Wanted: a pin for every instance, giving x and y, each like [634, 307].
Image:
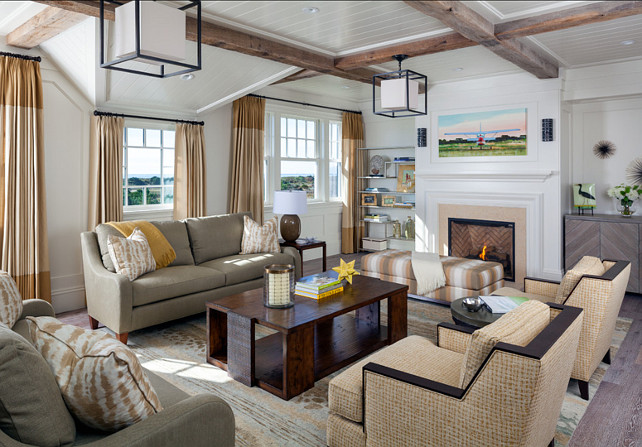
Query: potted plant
[625, 196]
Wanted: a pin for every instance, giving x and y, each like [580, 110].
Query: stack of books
[319, 286]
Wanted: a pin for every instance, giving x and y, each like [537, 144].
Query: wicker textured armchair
[414, 393]
[601, 298]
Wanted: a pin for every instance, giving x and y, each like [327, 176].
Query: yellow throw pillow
[101, 379]
[10, 300]
[260, 239]
[588, 265]
[131, 256]
[162, 250]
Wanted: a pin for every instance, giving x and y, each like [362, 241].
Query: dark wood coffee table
[464, 317]
[313, 339]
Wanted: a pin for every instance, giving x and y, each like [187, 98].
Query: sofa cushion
[215, 236]
[10, 300]
[171, 282]
[588, 265]
[132, 255]
[260, 238]
[31, 408]
[242, 268]
[101, 379]
[175, 231]
[414, 355]
[103, 231]
[517, 327]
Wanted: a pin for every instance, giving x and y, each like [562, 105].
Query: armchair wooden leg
[584, 389]
[93, 323]
[122, 337]
[607, 357]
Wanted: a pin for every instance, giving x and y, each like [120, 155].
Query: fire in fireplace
[488, 240]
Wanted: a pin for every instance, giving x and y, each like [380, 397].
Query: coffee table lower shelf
[338, 342]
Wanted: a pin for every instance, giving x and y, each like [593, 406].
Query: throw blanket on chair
[428, 271]
[163, 252]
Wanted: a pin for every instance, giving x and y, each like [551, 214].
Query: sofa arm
[453, 337]
[203, 420]
[543, 287]
[109, 295]
[36, 308]
[298, 267]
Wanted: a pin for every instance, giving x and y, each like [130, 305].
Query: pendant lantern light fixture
[150, 33]
[400, 92]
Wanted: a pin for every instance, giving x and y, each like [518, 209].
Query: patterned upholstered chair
[500, 385]
[601, 298]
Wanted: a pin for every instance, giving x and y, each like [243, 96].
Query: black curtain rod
[304, 103]
[21, 56]
[98, 113]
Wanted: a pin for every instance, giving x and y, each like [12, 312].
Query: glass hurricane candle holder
[278, 288]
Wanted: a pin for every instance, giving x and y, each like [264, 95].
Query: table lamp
[290, 204]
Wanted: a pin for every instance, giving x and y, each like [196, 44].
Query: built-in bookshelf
[379, 183]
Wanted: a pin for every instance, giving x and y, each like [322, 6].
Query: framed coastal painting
[500, 132]
[406, 178]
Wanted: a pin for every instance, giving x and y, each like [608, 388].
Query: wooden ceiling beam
[567, 18]
[473, 26]
[301, 74]
[447, 42]
[234, 40]
[43, 26]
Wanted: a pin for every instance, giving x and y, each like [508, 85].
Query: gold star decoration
[346, 270]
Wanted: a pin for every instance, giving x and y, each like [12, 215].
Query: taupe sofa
[207, 266]
[202, 420]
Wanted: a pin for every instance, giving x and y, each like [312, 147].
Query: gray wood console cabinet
[607, 236]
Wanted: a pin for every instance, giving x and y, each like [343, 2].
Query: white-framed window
[302, 152]
[148, 169]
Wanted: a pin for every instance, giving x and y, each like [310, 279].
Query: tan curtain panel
[189, 171]
[105, 170]
[246, 179]
[352, 138]
[23, 212]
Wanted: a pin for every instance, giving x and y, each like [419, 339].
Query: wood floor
[614, 416]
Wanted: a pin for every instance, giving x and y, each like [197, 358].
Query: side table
[464, 317]
[301, 245]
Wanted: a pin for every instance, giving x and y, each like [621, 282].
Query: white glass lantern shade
[161, 31]
[393, 94]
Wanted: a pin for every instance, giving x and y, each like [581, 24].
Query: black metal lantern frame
[408, 75]
[113, 65]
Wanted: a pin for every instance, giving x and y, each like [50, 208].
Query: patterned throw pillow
[131, 256]
[101, 379]
[588, 265]
[10, 300]
[260, 239]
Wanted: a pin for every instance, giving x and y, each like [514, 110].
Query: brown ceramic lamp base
[290, 227]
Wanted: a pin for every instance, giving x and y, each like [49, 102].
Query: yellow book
[319, 296]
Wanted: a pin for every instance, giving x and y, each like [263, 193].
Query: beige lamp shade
[290, 202]
[393, 94]
[162, 31]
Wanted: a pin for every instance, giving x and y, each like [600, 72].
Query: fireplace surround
[488, 240]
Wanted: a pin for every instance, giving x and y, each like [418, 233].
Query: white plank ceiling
[338, 28]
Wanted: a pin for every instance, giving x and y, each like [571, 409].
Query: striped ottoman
[464, 277]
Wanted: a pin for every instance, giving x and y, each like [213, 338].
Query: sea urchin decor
[604, 149]
[634, 172]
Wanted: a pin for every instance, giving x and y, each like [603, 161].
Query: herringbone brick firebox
[483, 239]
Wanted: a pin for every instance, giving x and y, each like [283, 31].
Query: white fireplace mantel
[540, 175]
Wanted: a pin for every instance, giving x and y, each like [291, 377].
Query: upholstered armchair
[201, 420]
[500, 385]
[600, 297]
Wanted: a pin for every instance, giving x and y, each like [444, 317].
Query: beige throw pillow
[10, 300]
[588, 265]
[260, 239]
[131, 256]
[101, 379]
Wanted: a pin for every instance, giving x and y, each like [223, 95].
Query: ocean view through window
[148, 168]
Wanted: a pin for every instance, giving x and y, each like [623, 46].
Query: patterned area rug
[177, 352]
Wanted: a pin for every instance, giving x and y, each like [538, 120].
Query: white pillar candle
[279, 289]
